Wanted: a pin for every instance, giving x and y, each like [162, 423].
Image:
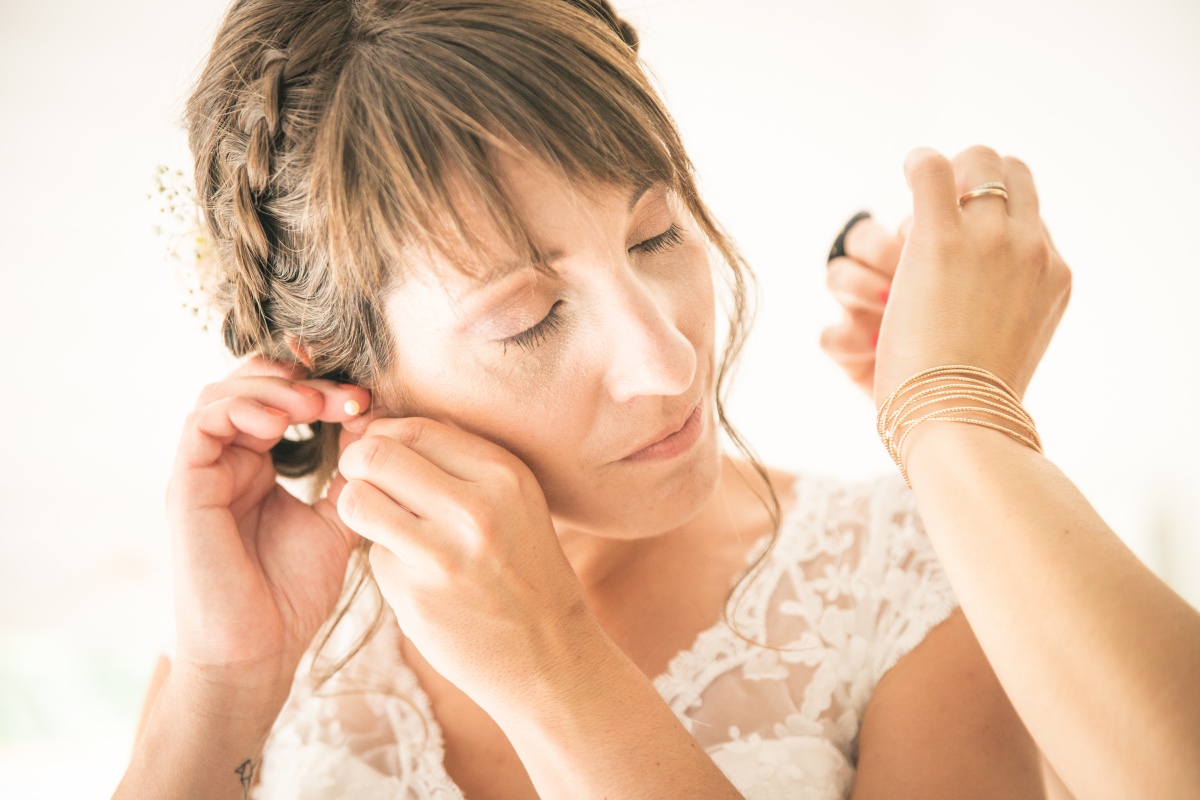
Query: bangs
[425, 102]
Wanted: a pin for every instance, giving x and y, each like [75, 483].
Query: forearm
[599, 729]
[1100, 658]
[199, 742]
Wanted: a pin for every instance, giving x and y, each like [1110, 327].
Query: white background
[797, 114]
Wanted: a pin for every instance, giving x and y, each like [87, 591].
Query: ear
[300, 351]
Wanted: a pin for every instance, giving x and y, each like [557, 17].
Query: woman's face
[574, 374]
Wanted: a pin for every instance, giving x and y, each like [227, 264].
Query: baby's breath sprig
[185, 245]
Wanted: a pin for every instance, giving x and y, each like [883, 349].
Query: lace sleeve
[914, 591]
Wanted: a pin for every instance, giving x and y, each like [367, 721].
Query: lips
[667, 430]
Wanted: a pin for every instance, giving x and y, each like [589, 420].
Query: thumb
[930, 177]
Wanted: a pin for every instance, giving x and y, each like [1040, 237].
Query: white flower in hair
[186, 245]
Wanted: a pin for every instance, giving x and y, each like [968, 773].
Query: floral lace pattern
[851, 585]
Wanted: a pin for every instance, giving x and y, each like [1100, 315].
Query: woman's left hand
[466, 554]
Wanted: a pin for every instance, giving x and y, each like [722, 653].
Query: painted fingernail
[352, 408]
[884, 295]
[307, 390]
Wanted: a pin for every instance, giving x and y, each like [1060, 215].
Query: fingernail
[884, 295]
[307, 390]
[276, 412]
[352, 408]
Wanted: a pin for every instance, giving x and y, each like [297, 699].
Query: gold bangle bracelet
[966, 389]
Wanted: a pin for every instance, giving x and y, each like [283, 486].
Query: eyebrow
[640, 188]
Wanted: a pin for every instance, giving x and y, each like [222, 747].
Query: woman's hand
[257, 571]
[861, 280]
[466, 555]
[982, 285]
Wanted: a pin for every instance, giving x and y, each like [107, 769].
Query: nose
[647, 353]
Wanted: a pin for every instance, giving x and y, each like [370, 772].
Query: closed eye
[669, 238]
[532, 337]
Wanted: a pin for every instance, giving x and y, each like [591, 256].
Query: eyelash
[532, 337]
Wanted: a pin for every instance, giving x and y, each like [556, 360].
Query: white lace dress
[851, 586]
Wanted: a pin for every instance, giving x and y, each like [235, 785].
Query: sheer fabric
[851, 585]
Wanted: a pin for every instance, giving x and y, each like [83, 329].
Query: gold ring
[992, 187]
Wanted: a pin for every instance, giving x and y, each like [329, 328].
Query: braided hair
[264, 145]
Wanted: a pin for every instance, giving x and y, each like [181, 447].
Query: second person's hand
[981, 284]
[859, 276]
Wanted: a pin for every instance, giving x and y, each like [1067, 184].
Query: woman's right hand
[256, 570]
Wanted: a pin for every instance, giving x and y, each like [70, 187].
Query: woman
[480, 213]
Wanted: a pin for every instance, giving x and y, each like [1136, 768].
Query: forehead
[553, 209]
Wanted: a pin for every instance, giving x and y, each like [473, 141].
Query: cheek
[532, 408]
[695, 300]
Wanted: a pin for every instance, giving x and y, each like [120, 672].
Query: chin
[642, 500]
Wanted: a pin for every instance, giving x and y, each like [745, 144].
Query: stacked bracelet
[951, 389]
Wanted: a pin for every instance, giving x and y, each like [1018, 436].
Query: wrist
[203, 739]
[561, 679]
[594, 726]
[932, 449]
[232, 688]
[956, 393]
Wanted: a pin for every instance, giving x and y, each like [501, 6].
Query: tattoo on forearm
[246, 776]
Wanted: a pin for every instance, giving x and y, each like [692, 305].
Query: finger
[406, 476]
[359, 423]
[875, 246]
[973, 167]
[852, 340]
[459, 453]
[306, 401]
[336, 484]
[370, 513]
[838, 249]
[348, 436]
[211, 429]
[905, 227]
[856, 286]
[245, 441]
[930, 177]
[254, 478]
[327, 508]
[842, 346]
[344, 402]
[1022, 194]
[860, 372]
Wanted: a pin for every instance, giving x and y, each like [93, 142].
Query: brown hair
[326, 135]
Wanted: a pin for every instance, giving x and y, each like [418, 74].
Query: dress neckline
[716, 637]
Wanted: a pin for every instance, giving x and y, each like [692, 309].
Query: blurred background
[797, 114]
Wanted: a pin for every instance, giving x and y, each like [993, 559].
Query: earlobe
[299, 351]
